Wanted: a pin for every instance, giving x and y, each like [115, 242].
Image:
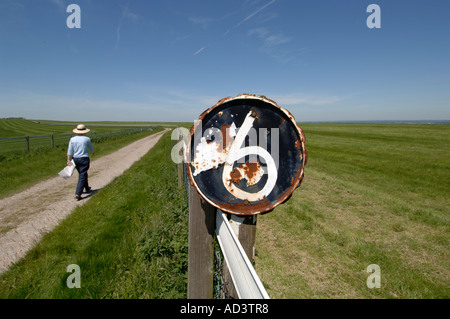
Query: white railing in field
[245, 280]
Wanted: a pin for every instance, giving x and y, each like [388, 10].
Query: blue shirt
[79, 145]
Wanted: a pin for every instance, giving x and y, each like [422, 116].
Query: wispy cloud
[307, 99]
[200, 50]
[132, 16]
[270, 40]
[250, 16]
[181, 38]
[202, 21]
[59, 3]
[126, 14]
[274, 44]
[173, 100]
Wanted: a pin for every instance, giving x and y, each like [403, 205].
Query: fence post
[52, 141]
[28, 143]
[180, 165]
[201, 247]
[245, 229]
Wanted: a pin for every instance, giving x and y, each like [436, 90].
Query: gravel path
[26, 216]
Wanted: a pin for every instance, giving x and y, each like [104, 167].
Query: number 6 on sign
[252, 169]
[236, 152]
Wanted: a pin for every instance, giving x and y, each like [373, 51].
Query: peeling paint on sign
[246, 155]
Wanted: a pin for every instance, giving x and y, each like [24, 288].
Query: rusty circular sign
[246, 155]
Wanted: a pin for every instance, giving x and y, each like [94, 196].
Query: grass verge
[372, 194]
[129, 240]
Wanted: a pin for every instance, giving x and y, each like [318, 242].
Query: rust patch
[252, 172]
[227, 139]
[236, 175]
[250, 169]
[249, 208]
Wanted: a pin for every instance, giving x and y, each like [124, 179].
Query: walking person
[79, 147]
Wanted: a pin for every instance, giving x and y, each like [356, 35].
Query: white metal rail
[246, 281]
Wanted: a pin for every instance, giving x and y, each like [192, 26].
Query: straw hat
[81, 129]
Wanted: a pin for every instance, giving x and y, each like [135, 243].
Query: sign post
[201, 247]
[245, 156]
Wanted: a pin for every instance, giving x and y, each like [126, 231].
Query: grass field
[372, 194]
[23, 127]
[18, 135]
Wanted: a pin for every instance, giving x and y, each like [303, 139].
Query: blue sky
[169, 60]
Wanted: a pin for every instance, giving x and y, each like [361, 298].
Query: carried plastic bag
[68, 170]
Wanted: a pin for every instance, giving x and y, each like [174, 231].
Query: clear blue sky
[168, 60]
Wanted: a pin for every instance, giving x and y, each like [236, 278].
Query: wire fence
[26, 144]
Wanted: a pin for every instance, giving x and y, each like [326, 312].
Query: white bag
[68, 170]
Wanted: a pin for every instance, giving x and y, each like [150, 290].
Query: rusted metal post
[245, 229]
[201, 247]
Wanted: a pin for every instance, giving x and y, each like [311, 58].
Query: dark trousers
[82, 166]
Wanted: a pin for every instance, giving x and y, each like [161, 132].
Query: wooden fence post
[52, 141]
[201, 247]
[245, 229]
[28, 143]
[180, 165]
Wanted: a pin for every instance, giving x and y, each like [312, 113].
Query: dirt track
[28, 215]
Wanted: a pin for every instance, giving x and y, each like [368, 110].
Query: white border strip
[246, 281]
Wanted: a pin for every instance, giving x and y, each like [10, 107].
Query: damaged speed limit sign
[246, 155]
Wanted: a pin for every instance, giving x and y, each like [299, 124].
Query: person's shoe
[88, 190]
[78, 197]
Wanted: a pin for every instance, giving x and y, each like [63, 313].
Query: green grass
[45, 134]
[372, 194]
[130, 240]
[20, 171]
[22, 127]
